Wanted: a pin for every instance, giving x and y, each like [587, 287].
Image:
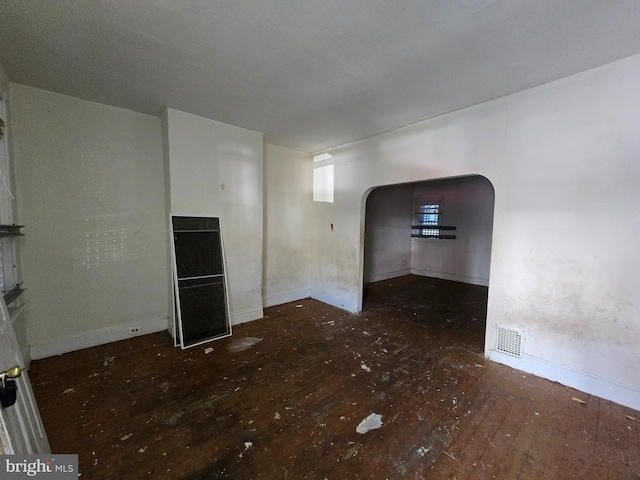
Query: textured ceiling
[309, 74]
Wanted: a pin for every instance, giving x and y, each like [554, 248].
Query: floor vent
[510, 341]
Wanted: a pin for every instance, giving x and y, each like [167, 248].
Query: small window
[323, 178]
[428, 216]
[323, 184]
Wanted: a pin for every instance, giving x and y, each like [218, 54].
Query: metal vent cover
[510, 340]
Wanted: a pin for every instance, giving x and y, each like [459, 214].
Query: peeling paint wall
[287, 238]
[563, 159]
[90, 194]
[216, 170]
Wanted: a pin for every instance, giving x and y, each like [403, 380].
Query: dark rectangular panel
[198, 254]
[195, 223]
[202, 309]
[199, 279]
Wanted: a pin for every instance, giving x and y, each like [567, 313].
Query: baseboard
[271, 300]
[484, 282]
[585, 382]
[244, 317]
[333, 301]
[379, 277]
[94, 338]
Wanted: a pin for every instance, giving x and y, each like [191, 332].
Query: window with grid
[427, 219]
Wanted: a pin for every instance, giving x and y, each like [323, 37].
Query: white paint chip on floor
[372, 422]
[247, 446]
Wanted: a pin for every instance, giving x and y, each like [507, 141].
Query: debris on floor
[247, 446]
[243, 343]
[372, 422]
[352, 452]
[422, 451]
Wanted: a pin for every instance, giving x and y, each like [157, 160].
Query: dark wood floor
[287, 407]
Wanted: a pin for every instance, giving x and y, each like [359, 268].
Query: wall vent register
[510, 341]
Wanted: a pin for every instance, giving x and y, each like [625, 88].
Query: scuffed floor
[283, 398]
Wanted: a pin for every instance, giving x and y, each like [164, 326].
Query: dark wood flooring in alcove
[282, 398]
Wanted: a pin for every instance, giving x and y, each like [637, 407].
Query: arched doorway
[427, 255]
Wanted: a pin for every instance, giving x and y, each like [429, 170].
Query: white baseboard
[244, 317]
[379, 277]
[95, 338]
[333, 301]
[585, 382]
[279, 299]
[451, 276]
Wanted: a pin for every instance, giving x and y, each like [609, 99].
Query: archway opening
[427, 255]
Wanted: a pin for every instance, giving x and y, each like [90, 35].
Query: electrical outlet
[134, 330]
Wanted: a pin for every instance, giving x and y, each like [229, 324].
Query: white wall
[387, 247]
[287, 201]
[563, 159]
[467, 204]
[216, 170]
[91, 189]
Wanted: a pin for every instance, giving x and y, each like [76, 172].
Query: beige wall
[91, 188]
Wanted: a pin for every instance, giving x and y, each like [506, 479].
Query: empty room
[321, 239]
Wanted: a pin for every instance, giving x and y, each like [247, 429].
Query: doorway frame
[363, 217]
